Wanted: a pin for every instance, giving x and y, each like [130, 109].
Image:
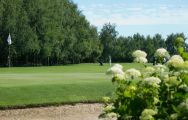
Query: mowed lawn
[32, 86]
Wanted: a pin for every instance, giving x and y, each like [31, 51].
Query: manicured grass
[27, 86]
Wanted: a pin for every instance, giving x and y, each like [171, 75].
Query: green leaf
[127, 94]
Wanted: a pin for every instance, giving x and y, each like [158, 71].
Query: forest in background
[46, 32]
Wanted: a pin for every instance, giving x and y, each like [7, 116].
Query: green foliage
[179, 42]
[45, 31]
[160, 92]
[121, 48]
[180, 47]
[185, 55]
[180, 50]
[172, 42]
[108, 36]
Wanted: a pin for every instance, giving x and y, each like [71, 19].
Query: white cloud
[123, 14]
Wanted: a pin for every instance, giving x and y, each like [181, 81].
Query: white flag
[9, 40]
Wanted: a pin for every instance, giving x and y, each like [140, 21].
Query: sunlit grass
[22, 86]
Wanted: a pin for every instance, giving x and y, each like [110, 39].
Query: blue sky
[143, 16]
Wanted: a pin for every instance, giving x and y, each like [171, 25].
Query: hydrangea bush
[154, 92]
[140, 56]
[161, 54]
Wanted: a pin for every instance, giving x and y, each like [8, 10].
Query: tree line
[120, 48]
[46, 32]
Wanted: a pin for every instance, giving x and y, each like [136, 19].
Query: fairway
[32, 86]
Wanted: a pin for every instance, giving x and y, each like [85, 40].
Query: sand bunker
[65, 112]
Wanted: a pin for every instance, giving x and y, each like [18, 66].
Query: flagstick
[9, 45]
[9, 56]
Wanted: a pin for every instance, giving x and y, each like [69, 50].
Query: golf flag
[9, 40]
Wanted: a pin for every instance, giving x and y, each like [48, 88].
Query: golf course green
[35, 86]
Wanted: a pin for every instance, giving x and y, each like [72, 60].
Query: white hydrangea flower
[111, 115]
[149, 69]
[183, 86]
[140, 60]
[184, 71]
[120, 76]
[164, 76]
[161, 52]
[115, 70]
[175, 61]
[152, 80]
[172, 81]
[146, 117]
[147, 114]
[118, 66]
[156, 100]
[160, 68]
[139, 53]
[106, 99]
[174, 116]
[132, 73]
[176, 73]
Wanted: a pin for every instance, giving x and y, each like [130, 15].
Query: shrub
[158, 92]
[161, 54]
[140, 56]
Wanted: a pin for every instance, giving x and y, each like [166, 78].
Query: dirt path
[66, 112]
